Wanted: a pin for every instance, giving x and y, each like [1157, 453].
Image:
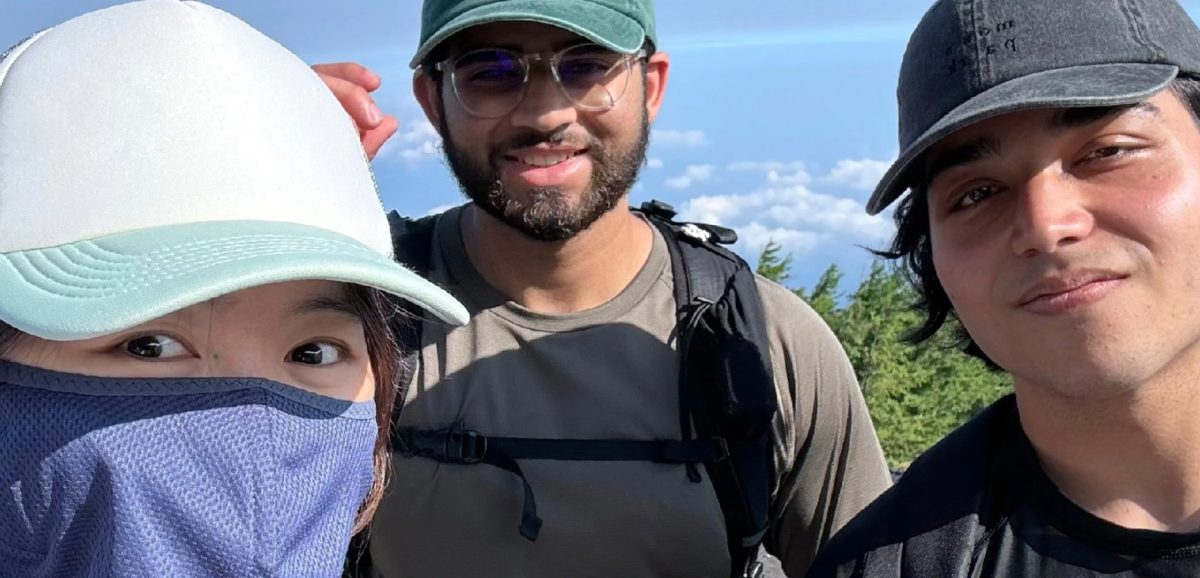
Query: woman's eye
[155, 347]
[316, 353]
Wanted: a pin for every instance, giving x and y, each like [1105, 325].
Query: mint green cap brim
[602, 25]
[100, 286]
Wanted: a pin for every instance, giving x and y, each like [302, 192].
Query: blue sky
[779, 114]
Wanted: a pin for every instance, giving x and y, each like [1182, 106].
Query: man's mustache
[527, 139]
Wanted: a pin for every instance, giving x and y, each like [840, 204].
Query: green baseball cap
[621, 25]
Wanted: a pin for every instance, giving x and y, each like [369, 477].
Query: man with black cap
[512, 457]
[1051, 154]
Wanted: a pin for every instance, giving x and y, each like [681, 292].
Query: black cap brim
[1091, 85]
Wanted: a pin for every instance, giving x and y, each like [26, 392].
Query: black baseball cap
[969, 60]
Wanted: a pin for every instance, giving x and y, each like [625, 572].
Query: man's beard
[548, 215]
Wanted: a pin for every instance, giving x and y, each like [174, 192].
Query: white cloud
[786, 210]
[691, 175]
[765, 166]
[861, 174]
[414, 142]
[777, 173]
[799, 177]
[441, 209]
[755, 236]
[420, 152]
[654, 163]
[678, 138]
[714, 209]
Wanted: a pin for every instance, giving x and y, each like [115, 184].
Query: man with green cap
[544, 108]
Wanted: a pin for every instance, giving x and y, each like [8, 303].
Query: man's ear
[657, 66]
[425, 90]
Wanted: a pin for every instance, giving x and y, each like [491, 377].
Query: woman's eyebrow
[326, 303]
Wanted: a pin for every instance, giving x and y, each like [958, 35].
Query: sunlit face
[302, 333]
[1068, 242]
[548, 168]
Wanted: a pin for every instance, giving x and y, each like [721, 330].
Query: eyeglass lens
[491, 82]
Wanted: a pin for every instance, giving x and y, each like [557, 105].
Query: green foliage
[916, 393]
[771, 265]
[824, 297]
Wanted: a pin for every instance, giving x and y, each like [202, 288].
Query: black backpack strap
[458, 445]
[412, 245]
[726, 387]
[412, 241]
[700, 278]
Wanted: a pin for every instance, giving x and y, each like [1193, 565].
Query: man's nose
[1051, 212]
[545, 108]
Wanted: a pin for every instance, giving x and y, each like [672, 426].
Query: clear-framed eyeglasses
[492, 82]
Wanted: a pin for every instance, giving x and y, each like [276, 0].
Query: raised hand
[353, 84]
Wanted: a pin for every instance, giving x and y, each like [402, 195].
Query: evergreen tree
[771, 265]
[916, 393]
[825, 296]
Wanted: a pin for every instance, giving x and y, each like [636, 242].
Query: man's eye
[494, 75]
[155, 347]
[316, 353]
[975, 195]
[584, 71]
[1105, 152]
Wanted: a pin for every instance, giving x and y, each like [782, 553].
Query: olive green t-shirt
[610, 372]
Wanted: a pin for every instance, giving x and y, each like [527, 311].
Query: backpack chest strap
[462, 446]
[457, 445]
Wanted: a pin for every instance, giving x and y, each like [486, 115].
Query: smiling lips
[543, 157]
[545, 166]
[1054, 295]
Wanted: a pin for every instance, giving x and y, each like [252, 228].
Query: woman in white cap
[195, 363]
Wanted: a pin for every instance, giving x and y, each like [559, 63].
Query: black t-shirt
[978, 505]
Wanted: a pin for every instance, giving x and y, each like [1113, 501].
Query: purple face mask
[176, 477]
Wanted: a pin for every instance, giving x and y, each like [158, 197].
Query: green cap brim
[601, 25]
[92, 288]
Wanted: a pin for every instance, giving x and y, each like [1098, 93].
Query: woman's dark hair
[377, 312]
[8, 338]
[911, 246]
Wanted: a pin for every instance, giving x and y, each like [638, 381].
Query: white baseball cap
[161, 153]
